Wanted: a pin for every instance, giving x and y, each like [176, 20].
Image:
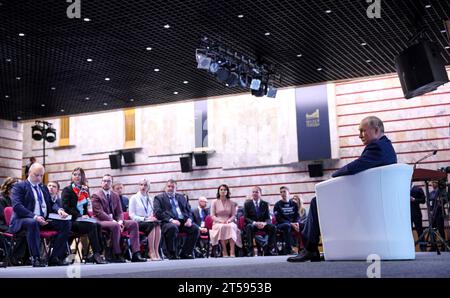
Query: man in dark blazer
[175, 214]
[257, 218]
[108, 211]
[417, 197]
[378, 152]
[31, 206]
[201, 212]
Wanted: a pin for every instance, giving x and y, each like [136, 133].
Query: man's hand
[412, 199]
[151, 218]
[41, 220]
[296, 226]
[120, 222]
[188, 223]
[62, 213]
[203, 230]
[176, 222]
[260, 225]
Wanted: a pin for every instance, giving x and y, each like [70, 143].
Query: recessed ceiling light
[18, 117]
[6, 96]
[167, 26]
[89, 60]
[428, 6]
[369, 61]
[8, 60]
[364, 44]
[62, 110]
[240, 16]
[107, 79]
[21, 34]
[227, 85]
[105, 103]
[328, 11]
[175, 92]
[299, 55]
[53, 88]
[447, 47]
[319, 69]
[148, 48]
[87, 19]
[185, 82]
[444, 31]
[18, 78]
[43, 105]
[131, 99]
[267, 33]
[156, 69]
[87, 98]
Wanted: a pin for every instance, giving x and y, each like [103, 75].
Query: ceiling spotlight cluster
[234, 69]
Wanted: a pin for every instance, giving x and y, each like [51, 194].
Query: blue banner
[313, 128]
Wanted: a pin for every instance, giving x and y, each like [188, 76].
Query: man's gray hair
[374, 122]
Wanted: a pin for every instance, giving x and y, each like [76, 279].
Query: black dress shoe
[305, 256]
[118, 259]
[271, 252]
[187, 256]
[172, 257]
[98, 259]
[138, 258]
[57, 262]
[37, 262]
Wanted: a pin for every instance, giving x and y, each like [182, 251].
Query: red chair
[7, 239]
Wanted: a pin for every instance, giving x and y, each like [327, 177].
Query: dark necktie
[39, 195]
[109, 202]
[257, 209]
[203, 214]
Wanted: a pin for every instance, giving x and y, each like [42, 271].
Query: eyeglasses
[107, 181]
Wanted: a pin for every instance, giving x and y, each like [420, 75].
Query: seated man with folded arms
[378, 152]
[287, 218]
[175, 214]
[31, 207]
[108, 211]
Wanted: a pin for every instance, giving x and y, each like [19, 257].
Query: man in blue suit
[31, 206]
[378, 152]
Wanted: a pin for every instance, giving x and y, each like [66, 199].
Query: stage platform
[426, 264]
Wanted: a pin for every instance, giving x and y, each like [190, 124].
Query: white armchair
[367, 213]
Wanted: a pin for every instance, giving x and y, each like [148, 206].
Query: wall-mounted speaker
[186, 163]
[421, 69]
[128, 156]
[201, 159]
[315, 170]
[115, 161]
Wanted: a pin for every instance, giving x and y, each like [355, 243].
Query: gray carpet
[427, 265]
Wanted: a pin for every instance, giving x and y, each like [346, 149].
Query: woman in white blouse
[141, 210]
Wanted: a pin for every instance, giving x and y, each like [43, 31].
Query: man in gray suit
[175, 214]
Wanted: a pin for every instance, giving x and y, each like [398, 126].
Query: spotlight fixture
[235, 69]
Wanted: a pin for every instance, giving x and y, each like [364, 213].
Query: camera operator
[438, 198]
[417, 197]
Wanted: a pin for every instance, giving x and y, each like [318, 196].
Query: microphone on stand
[425, 157]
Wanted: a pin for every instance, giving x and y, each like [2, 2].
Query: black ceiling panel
[46, 71]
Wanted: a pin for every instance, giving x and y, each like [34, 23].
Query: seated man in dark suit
[378, 152]
[257, 218]
[174, 212]
[31, 205]
[200, 213]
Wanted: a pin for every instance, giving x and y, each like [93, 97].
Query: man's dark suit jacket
[197, 218]
[376, 154]
[163, 208]
[23, 203]
[250, 212]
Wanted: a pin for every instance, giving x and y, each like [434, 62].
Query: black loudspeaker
[315, 170]
[421, 69]
[186, 163]
[201, 159]
[116, 161]
[128, 156]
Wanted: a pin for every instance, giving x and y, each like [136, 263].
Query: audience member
[124, 201]
[53, 189]
[417, 197]
[287, 218]
[224, 229]
[31, 161]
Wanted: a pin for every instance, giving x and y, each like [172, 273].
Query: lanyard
[145, 205]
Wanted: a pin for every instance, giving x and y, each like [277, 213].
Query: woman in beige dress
[224, 229]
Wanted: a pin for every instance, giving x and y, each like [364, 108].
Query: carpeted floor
[426, 265]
